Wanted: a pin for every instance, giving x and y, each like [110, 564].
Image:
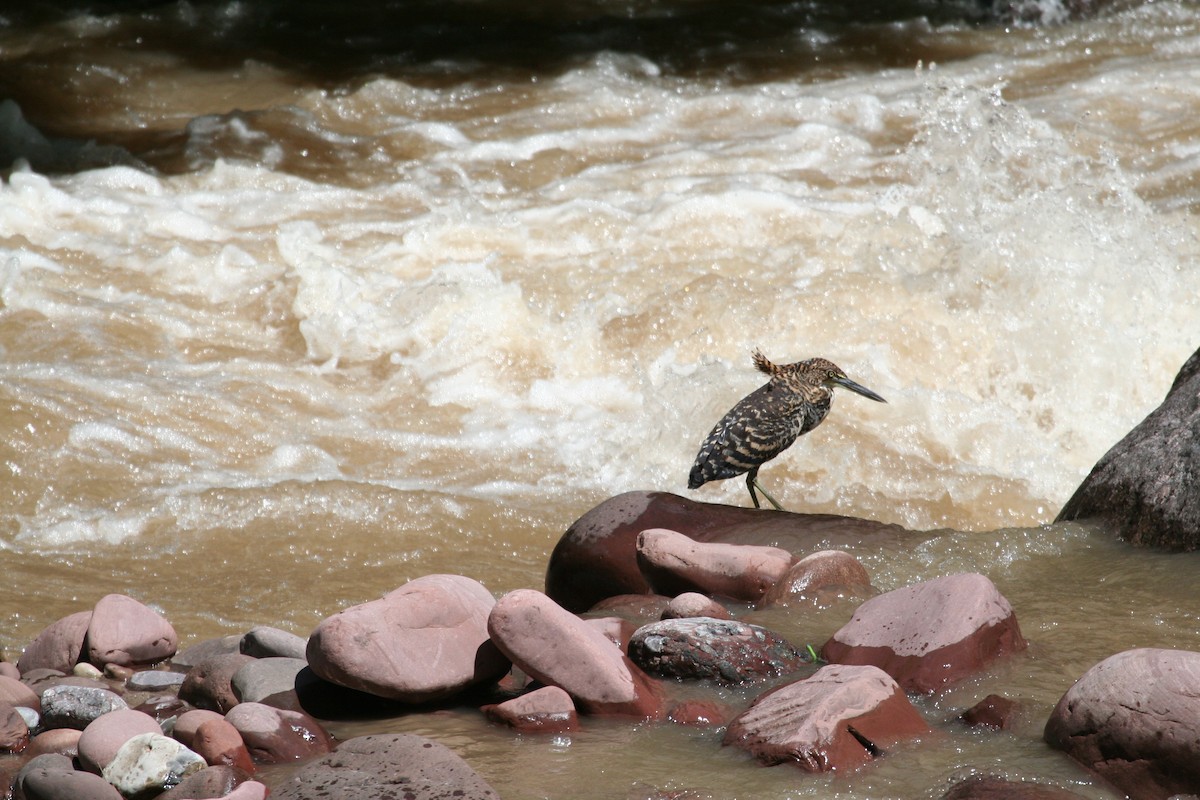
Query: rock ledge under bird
[767, 421]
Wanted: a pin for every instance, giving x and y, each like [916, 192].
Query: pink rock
[218, 742]
[15, 693]
[425, 641]
[250, 790]
[638, 608]
[674, 563]
[1134, 719]
[818, 575]
[47, 777]
[838, 719]
[558, 648]
[105, 735]
[694, 604]
[58, 646]
[61, 741]
[9, 670]
[128, 633]
[14, 733]
[930, 634]
[616, 630]
[190, 721]
[274, 735]
[546, 710]
[209, 684]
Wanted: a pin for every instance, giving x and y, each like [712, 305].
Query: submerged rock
[545, 710]
[930, 634]
[992, 711]
[817, 576]
[1134, 719]
[673, 563]
[987, 787]
[1147, 487]
[724, 650]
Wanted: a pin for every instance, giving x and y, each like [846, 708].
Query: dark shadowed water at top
[300, 301]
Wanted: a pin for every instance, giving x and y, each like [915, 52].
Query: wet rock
[987, 787]
[219, 743]
[673, 563]
[694, 604]
[209, 782]
[70, 706]
[102, 739]
[264, 678]
[202, 651]
[558, 648]
[209, 684]
[930, 634]
[818, 576]
[154, 680]
[372, 767]
[1134, 719]
[616, 630]
[724, 650]
[276, 735]
[59, 645]
[992, 711]
[699, 714]
[545, 710]
[150, 763]
[51, 777]
[250, 790]
[61, 741]
[839, 719]
[597, 556]
[424, 641]
[267, 642]
[637, 608]
[15, 693]
[189, 722]
[162, 707]
[14, 731]
[126, 632]
[1146, 486]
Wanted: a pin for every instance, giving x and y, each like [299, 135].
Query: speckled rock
[558, 648]
[372, 767]
[1134, 719]
[150, 763]
[818, 578]
[51, 777]
[266, 642]
[58, 646]
[701, 647]
[104, 737]
[545, 710]
[129, 633]
[276, 735]
[70, 706]
[694, 604]
[930, 634]
[839, 719]
[209, 684]
[673, 563]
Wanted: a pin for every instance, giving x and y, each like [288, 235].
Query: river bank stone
[52, 777]
[694, 604]
[723, 650]
[1134, 719]
[149, 764]
[597, 556]
[545, 710]
[15, 693]
[276, 735]
[1147, 487]
[220, 744]
[14, 730]
[209, 684]
[930, 634]
[59, 646]
[818, 577]
[263, 641]
[128, 633]
[102, 739]
[839, 719]
[673, 564]
[70, 706]
[270, 680]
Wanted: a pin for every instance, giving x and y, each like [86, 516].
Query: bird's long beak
[857, 388]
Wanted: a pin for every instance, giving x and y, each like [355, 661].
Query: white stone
[150, 763]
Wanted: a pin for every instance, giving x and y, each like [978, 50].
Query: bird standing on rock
[765, 422]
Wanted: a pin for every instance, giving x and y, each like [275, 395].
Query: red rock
[616, 630]
[14, 732]
[190, 721]
[1134, 719]
[699, 714]
[61, 741]
[128, 633]
[425, 641]
[817, 576]
[839, 719]
[694, 604]
[209, 684]
[51, 777]
[207, 783]
[557, 648]
[105, 735]
[219, 743]
[930, 634]
[673, 563]
[637, 608]
[724, 650]
[274, 735]
[987, 787]
[59, 646]
[15, 693]
[597, 556]
[992, 711]
[545, 710]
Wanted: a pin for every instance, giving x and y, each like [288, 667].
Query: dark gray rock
[1147, 487]
[704, 647]
[264, 678]
[51, 777]
[202, 651]
[68, 706]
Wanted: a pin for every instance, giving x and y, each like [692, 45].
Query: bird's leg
[752, 483]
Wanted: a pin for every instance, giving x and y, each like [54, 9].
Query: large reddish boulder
[424, 641]
[558, 648]
[673, 564]
[128, 633]
[839, 719]
[930, 634]
[597, 556]
[1134, 719]
[59, 645]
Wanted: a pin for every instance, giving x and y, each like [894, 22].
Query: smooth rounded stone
[51, 777]
[112, 671]
[209, 684]
[264, 678]
[615, 629]
[988, 787]
[694, 604]
[930, 634]
[15, 693]
[9, 670]
[59, 646]
[276, 735]
[264, 641]
[721, 649]
[674, 563]
[154, 680]
[14, 731]
[425, 641]
[1145, 487]
[202, 651]
[218, 742]
[1134, 719]
[379, 767]
[558, 648]
[545, 710]
[190, 721]
[106, 735]
[62, 741]
[88, 671]
[699, 714]
[250, 790]
[597, 556]
[126, 632]
[149, 764]
[992, 711]
[817, 576]
[839, 719]
[70, 706]
[637, 608]
[209, 782]
[33, 719]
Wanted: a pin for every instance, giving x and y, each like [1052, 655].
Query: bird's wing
[752, 433]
